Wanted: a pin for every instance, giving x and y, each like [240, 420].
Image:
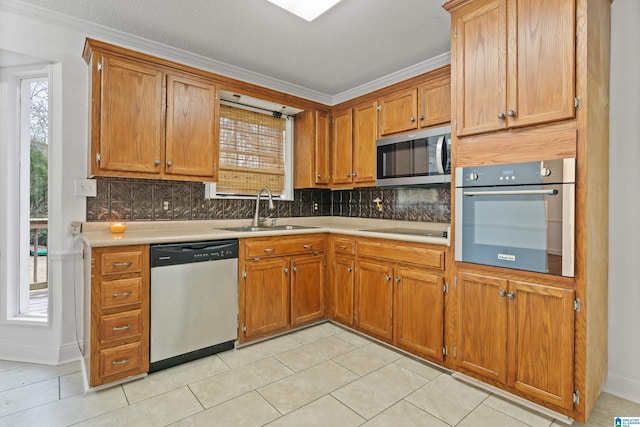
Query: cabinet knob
[286, 270]
[502, 116]
[319, 175]
[355, 174]
[169, 163]
[511, 113]
[421, 117]
[295, 269]
[157, 162]
[387, 278]
[413, 119]
[511, 295]
[348, 175]
[502, 293]
[349, 269]
[398, 280]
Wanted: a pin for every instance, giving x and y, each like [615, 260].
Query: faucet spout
[256, 215]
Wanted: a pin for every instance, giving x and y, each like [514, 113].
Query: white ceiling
[354, 43]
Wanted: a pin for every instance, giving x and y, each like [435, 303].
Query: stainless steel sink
[269, 228]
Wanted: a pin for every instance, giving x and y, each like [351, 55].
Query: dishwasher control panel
[182, 253]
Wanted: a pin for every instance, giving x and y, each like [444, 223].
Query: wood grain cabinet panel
[312, 149]
[434, 102]
[364, 143]
[307, 289]
[342, 147]
[398, 112]
[374, 300]
[343, 289]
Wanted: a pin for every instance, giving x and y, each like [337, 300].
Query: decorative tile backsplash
[156, 200]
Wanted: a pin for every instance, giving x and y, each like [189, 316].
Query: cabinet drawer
[121, 262]
[122, 359]
[401, 252]
[264, 248]
[343, 246]
[118, 326]
[121, 292]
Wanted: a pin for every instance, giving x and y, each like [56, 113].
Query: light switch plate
[86, 187]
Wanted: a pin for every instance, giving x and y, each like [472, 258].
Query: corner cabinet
[518, 333]
[149, 120]
[282, 284]
[117, 314]
[513, 63]
[311, 150]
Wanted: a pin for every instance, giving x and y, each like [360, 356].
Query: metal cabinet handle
[342, 246]
[502, 293]
[355, 174]
[348, 175]
[349, 269]
[398, 280]
[511, 295]
[387, 278]
[511, 113]
[121, 294]
[269, 250]
[319, 175]
[286, 270]
[421, 117]
[121, 362]
[309, 246]
[157, 162]
[122, 328]
[413, 119]
[169, 163]
[295, 269]
[122, 264]
[502, 116]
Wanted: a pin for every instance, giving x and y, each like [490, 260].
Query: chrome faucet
[256, 216]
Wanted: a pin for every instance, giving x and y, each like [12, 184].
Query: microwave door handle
[511, 193]
[439, 159]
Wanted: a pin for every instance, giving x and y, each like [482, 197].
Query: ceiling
[354, 43]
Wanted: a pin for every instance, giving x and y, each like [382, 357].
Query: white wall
[624, 203]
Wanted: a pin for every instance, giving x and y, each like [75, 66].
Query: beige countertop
[97, 234]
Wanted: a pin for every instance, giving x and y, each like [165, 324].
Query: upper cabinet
[149, 121]
[434, 101]
[514, 63]
[312, 166]
[399, 112]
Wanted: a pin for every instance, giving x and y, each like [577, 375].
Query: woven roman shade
[251, 151]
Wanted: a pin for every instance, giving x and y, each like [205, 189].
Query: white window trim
[10, 261]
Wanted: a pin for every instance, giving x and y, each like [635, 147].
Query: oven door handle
[511, 193]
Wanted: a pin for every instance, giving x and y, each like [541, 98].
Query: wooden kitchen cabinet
[343, 279]
[434, 101]
[374, 301]
[312, 161]
[398, 112]
[518, 333]
[354, 146]
[148, 120]
[513, 63]
[118, 314]
[282, 284]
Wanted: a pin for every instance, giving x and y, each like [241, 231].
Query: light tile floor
[320, 376]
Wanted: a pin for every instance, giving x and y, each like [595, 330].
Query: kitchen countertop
[97, 234]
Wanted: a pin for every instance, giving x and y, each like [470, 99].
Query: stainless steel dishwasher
[194, 301]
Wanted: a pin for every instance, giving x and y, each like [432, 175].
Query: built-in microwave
[414, 159]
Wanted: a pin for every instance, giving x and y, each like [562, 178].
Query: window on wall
[256, 149]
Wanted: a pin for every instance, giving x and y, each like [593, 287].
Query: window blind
[252, 147]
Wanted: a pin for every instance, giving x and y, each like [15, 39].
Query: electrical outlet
[86, 187]
[315, 206]
[165, 204]
[75, 227]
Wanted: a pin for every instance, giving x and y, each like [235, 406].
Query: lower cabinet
[282, 284]
[374, 301]
[118, 345]
[519, 334]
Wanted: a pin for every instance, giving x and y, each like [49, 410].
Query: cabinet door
[374, 299]
[399, 112]
[479, 66]
[482, 327]
[541, 60]
[266, 297]
[343, 282]
[131, 117]
[322, 149]
[419, 312]
[434, 102]
[364, 143]
[191, 128]
[541, 342]
[307, 289]
[342, 147]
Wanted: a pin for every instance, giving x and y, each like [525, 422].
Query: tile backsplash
[156, 200]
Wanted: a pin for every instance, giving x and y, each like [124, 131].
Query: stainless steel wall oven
[519, 216]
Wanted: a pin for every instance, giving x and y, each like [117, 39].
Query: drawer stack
[119, 313]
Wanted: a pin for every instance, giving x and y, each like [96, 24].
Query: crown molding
[110, 35]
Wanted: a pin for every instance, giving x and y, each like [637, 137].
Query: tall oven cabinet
[530, 82]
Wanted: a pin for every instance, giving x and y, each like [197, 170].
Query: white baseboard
[623, 386]
[42, 354]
